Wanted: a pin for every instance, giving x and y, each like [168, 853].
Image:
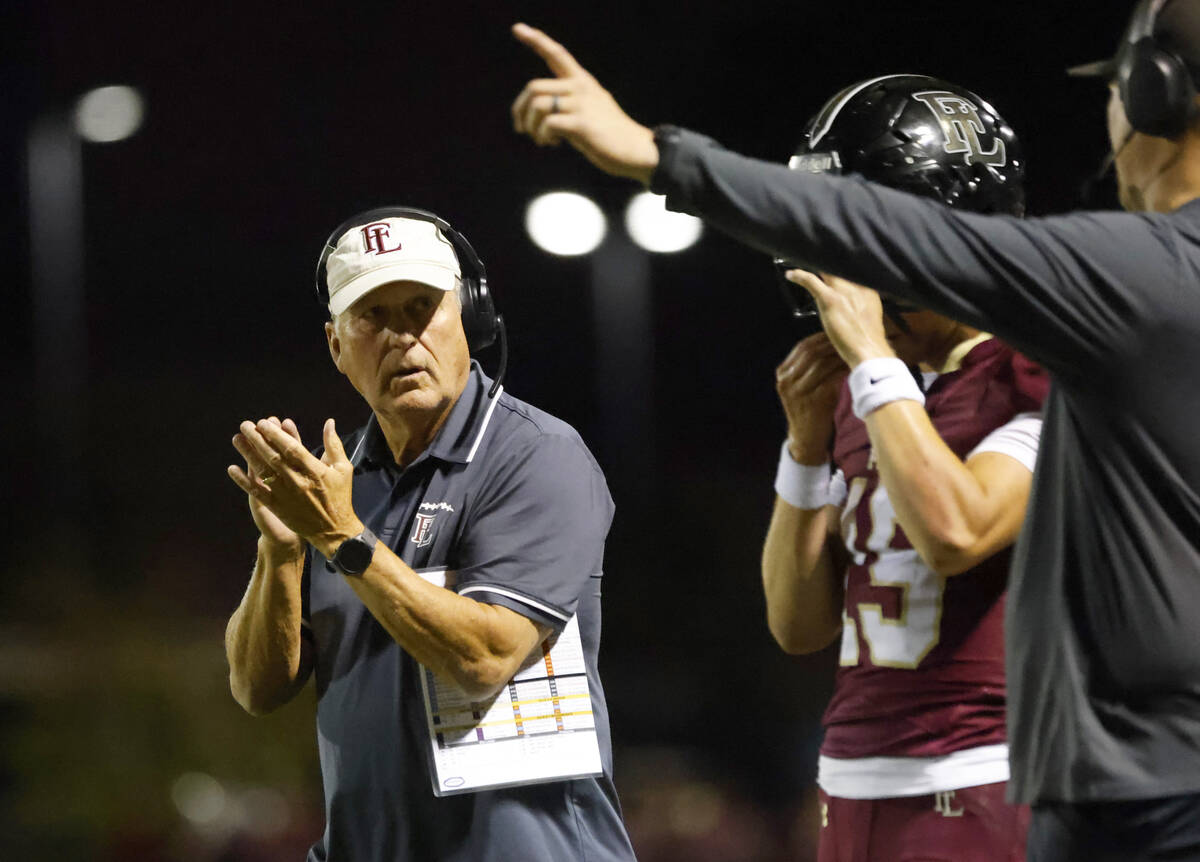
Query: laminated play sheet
[540, 727]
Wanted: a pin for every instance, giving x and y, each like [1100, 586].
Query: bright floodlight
[108, 114]
[565, 223]
[655, 228]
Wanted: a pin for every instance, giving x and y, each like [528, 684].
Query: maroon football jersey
[922, 658]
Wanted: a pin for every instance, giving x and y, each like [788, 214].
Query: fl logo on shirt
[425, 522]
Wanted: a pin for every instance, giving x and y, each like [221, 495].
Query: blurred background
[160, 291]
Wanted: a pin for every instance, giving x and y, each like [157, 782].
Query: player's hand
[572, 106]
[851, 315]
[275, 533]
[311, 497]
[809, 381]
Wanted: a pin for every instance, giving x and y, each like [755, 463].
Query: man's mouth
[404, 379]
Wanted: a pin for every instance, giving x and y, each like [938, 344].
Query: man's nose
[401, 331]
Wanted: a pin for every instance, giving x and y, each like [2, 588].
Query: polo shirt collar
[457, 439]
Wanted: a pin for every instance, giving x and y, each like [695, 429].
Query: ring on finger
[554, 104]
[267, 480]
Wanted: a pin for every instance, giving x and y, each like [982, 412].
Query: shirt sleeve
[1018, 438]
[1070, 291]
[534, 540]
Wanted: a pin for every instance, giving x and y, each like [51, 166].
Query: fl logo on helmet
[961, 127]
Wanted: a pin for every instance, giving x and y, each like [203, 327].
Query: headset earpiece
[1156, 87]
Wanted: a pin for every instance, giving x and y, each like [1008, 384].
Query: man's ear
[335, 344]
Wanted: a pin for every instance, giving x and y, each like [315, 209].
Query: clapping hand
[293, 494]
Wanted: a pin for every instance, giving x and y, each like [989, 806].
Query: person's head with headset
[1153, 111]
[408, 304]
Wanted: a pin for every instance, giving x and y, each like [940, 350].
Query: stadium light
[655, 228]
[108, 114]
[565, 223]
[569, 224]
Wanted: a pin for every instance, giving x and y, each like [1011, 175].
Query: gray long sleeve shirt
[1103, 615]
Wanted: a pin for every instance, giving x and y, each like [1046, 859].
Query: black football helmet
[917, 134]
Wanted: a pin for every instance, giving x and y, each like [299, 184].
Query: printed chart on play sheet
[540, 727]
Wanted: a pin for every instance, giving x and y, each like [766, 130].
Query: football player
[893, 522]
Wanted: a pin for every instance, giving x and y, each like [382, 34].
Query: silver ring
[554, 104]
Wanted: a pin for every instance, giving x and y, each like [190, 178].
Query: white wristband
[879, 381]
[801, 485]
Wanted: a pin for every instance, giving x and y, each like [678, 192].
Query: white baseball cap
[390, 249]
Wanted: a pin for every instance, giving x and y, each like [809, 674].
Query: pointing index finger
[558, 58]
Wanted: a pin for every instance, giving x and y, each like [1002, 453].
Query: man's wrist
[275, 554]
[867, 353]
[879, 381]
[354, 556]
[802, 486]
[647, 158]
[328, 543]
[666, 137]
[810, 453]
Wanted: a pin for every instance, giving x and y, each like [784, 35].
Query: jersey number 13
[903, 639]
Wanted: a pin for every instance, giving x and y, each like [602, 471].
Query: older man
[464, 530]
[1103, 651]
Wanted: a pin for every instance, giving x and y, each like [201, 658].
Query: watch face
[354, 555]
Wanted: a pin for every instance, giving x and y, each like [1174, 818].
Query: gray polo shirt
[511, 500]
[1103, 612]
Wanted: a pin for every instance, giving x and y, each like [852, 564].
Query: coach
[1103, 640]
[451, 478]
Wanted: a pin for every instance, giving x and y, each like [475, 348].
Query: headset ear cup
[478, 314]
[1156, 90]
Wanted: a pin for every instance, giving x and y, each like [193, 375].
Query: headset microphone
[1087, 189]
[1113, 155]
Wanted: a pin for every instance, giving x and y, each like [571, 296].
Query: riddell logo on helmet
[375, 237]
[961, 127]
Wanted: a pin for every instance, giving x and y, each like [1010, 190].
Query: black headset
[481, 323]
[1156, 86]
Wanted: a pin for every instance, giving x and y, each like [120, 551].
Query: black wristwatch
[354, 555]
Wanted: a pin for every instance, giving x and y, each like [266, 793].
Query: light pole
[622, 317]
[55, 174]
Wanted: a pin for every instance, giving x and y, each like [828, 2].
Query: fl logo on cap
[375, 237]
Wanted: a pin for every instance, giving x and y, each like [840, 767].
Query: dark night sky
[267, 124]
